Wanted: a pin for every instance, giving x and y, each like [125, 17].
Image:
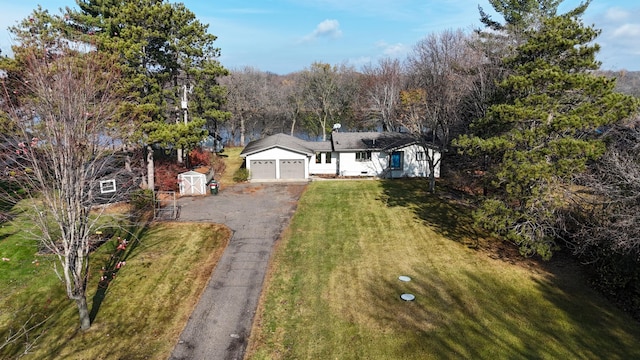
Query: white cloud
[617, 14]
[393, 50]
[627, 30]
[328, 28]
[396, 50]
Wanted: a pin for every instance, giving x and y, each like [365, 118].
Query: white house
[370, 154]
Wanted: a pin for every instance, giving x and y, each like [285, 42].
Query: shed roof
[191, 173]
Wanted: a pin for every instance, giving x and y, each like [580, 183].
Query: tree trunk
[150, 169]
[143, 184]
[83, 311]
[293, 125]
[432, 180]
[242, 131]
[127, 163]
[323, 126]
[386, 126]
[432, 169]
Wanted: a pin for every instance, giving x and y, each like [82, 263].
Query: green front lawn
[334, 291]
[138, 313]
[233, 162]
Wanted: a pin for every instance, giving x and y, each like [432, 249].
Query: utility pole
[185, 109]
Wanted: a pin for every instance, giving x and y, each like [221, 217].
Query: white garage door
[263, 169]
[291, 169]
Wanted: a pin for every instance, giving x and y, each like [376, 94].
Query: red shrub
[198, 158]
[166, 175]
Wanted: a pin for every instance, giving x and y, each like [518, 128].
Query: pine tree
[162, 48]
[544, 132]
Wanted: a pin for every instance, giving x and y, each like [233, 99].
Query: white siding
[323, 167]
[412, 167]
[379, 164]
[350, 167]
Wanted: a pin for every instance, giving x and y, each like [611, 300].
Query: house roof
[358, 141]
[340, 141]
[278, 140]
[321, 146]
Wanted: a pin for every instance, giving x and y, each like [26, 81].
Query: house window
[397, 160]
[363, 156]
[318, 158]
[107, 186]
[421, 156]
[327, 158]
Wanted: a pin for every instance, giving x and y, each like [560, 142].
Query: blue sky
[283, 36]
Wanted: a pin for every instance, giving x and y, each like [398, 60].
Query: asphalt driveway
[257, 214]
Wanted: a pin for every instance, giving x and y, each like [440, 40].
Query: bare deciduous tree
[247, 99]
[411, 117]
[610, 214]
[59, 152]
[328, 93]
[439, 69]
[292, 99]
[440, 65]
[382, 86]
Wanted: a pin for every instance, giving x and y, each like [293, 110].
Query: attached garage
[277, 157]
[263, 169]
[292, 169]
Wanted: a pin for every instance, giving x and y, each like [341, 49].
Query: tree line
[443, 71]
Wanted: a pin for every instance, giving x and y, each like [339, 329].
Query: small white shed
[195, 182]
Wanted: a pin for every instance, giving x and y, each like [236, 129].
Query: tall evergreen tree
[543, 133]
[162, 48]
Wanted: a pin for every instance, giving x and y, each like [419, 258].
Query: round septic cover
[407, 297]
[404, 278]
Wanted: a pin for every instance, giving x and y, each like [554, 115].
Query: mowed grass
[233, 161]
[334, 291]
[139, 314]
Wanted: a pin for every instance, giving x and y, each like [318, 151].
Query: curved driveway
[219, 326]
